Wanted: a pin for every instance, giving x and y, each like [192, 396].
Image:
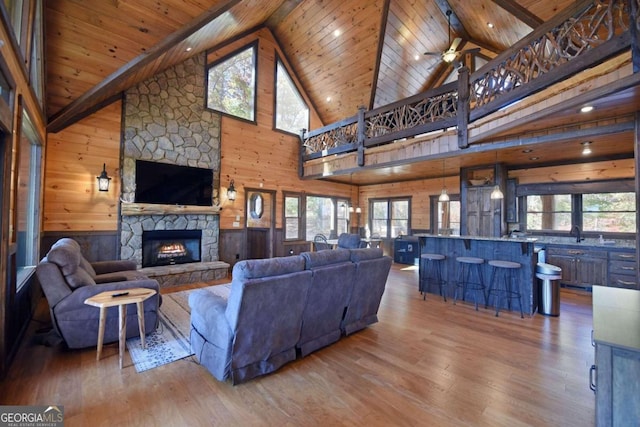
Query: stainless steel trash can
[549, 277]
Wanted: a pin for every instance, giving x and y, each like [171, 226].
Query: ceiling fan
[450, 55]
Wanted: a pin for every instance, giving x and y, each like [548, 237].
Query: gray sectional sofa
[279, 308]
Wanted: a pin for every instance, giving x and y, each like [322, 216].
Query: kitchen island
[517, 250]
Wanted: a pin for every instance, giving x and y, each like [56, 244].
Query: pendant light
[444, 197]
[496, 194]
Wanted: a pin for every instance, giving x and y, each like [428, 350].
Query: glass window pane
[292, 218]
[292, 114]
[320, 216]
[231, 85]
[28, 194]
[609, 212]
[449, 218]
[549, 212]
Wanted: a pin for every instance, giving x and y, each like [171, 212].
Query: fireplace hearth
[170, 247]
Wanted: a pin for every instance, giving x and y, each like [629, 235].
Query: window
[292, 217]
[231, 84]
[549, 212]
[390, 217]
[27, 204]
[322, 216]
[292, 114]
[592, 212]
[445, 216]
[609, 212]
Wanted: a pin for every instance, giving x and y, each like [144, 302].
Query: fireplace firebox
[169, 247]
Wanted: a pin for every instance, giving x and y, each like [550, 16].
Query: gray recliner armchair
[68, 279]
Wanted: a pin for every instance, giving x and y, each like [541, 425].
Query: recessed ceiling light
[328, 99]
[534, 158]
[490, 24]
[416, 57]
[586, 109]
[337, 33]
[527, 150]
[188, 49]
[586, 150]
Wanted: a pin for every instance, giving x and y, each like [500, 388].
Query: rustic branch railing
[582, 36]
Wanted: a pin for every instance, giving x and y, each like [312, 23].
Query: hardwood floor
[425, 363]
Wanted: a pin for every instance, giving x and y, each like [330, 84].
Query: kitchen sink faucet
[577, 231]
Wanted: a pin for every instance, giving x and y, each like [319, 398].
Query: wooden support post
[302, 151]
[361, 135]
[463, 107]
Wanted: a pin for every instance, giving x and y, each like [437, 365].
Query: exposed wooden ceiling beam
[281, 13]
[456, 24]
[520, 12]
[109, 87]
[376, 72]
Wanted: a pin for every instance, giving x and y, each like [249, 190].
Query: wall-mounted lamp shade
[231, 192]
[444, 197]
[496, 194]
[358, 210]
[103, 179]
[351, 210]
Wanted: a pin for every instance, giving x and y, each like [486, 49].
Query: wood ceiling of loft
[97, 49]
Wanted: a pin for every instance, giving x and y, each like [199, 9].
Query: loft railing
[580, 37]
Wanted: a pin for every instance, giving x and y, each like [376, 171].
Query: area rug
[170, 341]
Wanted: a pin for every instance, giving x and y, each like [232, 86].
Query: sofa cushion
[320, 258]
[86, 265]
[364, 254]
[257, 268]
[67, 257]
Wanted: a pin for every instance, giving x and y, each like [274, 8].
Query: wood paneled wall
[255, 155]
[74, 159]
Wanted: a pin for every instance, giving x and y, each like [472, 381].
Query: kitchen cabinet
[622, 269]
[614, 376]
[580, 267]
[481, 212]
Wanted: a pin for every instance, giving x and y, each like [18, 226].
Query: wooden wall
[74, 159]
[255, 155]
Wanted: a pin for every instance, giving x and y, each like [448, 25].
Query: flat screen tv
[167, 184]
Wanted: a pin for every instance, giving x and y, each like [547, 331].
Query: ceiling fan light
[449, 56]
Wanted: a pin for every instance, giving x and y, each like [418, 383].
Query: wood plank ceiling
[346, 53]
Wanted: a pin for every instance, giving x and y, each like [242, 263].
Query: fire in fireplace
[169, 247]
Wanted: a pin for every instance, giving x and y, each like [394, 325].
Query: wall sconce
[231, 191]
[103, 179]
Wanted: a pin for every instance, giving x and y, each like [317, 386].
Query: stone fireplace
[165, 121]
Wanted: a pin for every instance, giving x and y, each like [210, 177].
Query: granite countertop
[616, 315]
[588, 243]
[494, 239]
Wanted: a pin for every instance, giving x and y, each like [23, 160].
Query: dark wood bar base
[515, 250]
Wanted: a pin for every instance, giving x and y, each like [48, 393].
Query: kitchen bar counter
[520, 250]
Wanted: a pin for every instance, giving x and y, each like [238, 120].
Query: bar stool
[504, 284]
[468, 266]
[431, 272]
